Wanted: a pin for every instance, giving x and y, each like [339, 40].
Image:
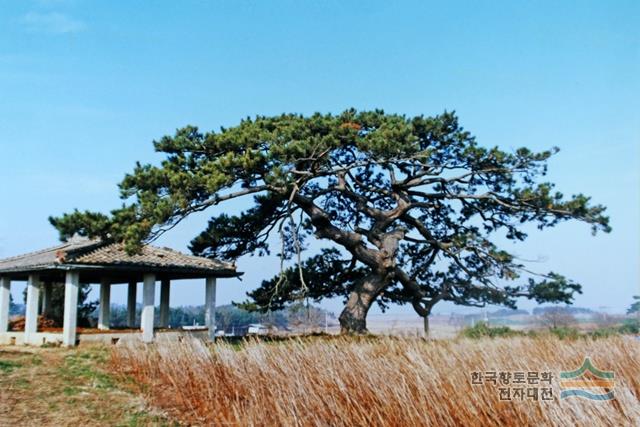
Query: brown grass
[386, 381]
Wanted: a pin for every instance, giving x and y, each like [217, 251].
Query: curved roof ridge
[114, 253]
[175, 251]
[62, 245]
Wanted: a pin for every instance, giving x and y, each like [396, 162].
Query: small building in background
[259, 329]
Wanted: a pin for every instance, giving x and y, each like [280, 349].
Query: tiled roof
[114, 254]
[80, 251]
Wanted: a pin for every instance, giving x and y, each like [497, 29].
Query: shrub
[604, 332]
[482, 329]
[565, 332]
[630, 326]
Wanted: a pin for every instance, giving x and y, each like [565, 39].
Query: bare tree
[557, 317]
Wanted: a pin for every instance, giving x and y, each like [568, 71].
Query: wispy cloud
[52, 23]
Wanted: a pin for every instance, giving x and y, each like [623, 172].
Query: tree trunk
[353, 319]
[426, 326]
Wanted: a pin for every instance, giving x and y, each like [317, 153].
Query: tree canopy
[411, 206]
[635, 307]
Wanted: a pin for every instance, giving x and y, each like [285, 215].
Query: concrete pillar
[165, 291]
[31, 312]
[5, 297]
[210, 306]
[46, 298]
[104, 313]
[70, 317]
[131, 304]
[148, 296]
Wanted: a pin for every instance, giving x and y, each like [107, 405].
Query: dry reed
[368, 382]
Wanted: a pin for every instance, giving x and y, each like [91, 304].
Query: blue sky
[86, 86]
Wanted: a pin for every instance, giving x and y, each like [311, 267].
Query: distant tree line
[505, 312]
[539, 311]
[231, 318]
[14, 308]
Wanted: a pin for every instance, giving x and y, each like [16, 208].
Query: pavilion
[81, 260]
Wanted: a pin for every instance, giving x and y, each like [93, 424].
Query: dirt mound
[17, 324]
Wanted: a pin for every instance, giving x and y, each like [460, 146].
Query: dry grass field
[376, 381]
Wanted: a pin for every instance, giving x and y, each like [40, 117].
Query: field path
[59, 387]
